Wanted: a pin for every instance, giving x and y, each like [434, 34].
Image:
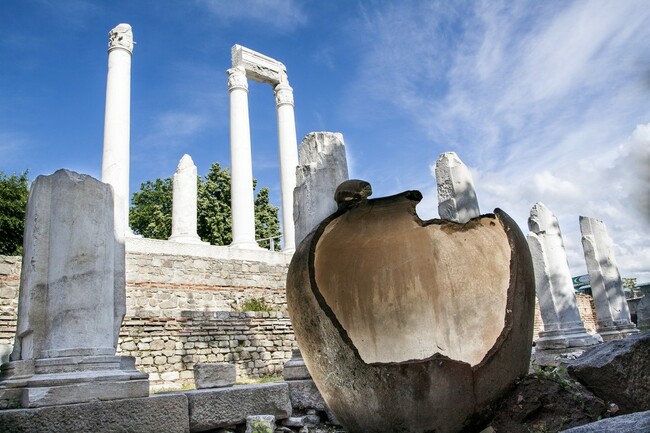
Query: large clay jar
[408, 325]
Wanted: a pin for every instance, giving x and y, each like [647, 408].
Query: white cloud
[536, 97]
[281, 15]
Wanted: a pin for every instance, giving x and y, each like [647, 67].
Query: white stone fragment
[456, 195]
[612, 312]
[563, 326]
[184, 207]
[322, 166]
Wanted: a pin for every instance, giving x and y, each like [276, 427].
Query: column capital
[283, 94]
[237, 78]
[121, 37]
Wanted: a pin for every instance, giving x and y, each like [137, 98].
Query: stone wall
[183, 307]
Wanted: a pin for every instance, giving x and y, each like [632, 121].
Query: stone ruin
[72, 299]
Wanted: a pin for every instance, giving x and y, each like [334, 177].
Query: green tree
[150, 214]
[14, 191]
[213, 214]
[151, 211]
[266, 220]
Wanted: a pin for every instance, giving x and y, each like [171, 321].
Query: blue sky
[544, 101]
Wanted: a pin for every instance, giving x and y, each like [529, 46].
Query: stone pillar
[241, 191]
[563, 327]
[612, 313]
[71, 300]
[456, 195]
[288, 158]
[322, 166]
[117, 123]
[184, 207]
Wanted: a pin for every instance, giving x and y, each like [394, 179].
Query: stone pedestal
[456, 195]
[71, 299]
[295, 368]
[322, 167]
[612, 313]
[184, 208]
[241, 164]
[117, 123]
[563, 327]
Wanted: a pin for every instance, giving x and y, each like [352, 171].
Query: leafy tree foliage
[14, 191]
[151, 211]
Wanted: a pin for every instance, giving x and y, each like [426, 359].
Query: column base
[246, 245]
[617, 332]
[187, 239]
[67, 380]
[566, 338]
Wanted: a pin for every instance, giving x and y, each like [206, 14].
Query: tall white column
[117, 123]
[241, 164]
[288, 149]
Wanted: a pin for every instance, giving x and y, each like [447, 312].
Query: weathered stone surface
[184, 207]
[643, 309]
[563, 326]
[295, 368]
[155, 414]
[305, 395]
[618, 372]
[456, 195]
[72, 298]
[260, 423]
[632, 423]
[612, 312]
[221, 407]
[373, 294]
[322, 166]
[214, 375]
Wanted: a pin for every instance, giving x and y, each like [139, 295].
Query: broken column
[117, 123]
[456, 195]
[563, 327]
[612, 313]
[184, 207]
[322, 166]
[71, 300]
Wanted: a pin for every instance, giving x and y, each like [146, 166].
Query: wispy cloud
[281, 15]
[538, 98]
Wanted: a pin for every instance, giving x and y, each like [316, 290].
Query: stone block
[456, 195]
[617, 372]
[221, 407]
[260, 423]
[632, 423]
[161, 413]
[214, 375]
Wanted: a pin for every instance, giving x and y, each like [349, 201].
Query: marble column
[288, 158]
[612, 313]
[117, 123]
[184, 206]
[241, 193]
[456, 195]
[322, 166]
[71, 300]
[563, 327]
